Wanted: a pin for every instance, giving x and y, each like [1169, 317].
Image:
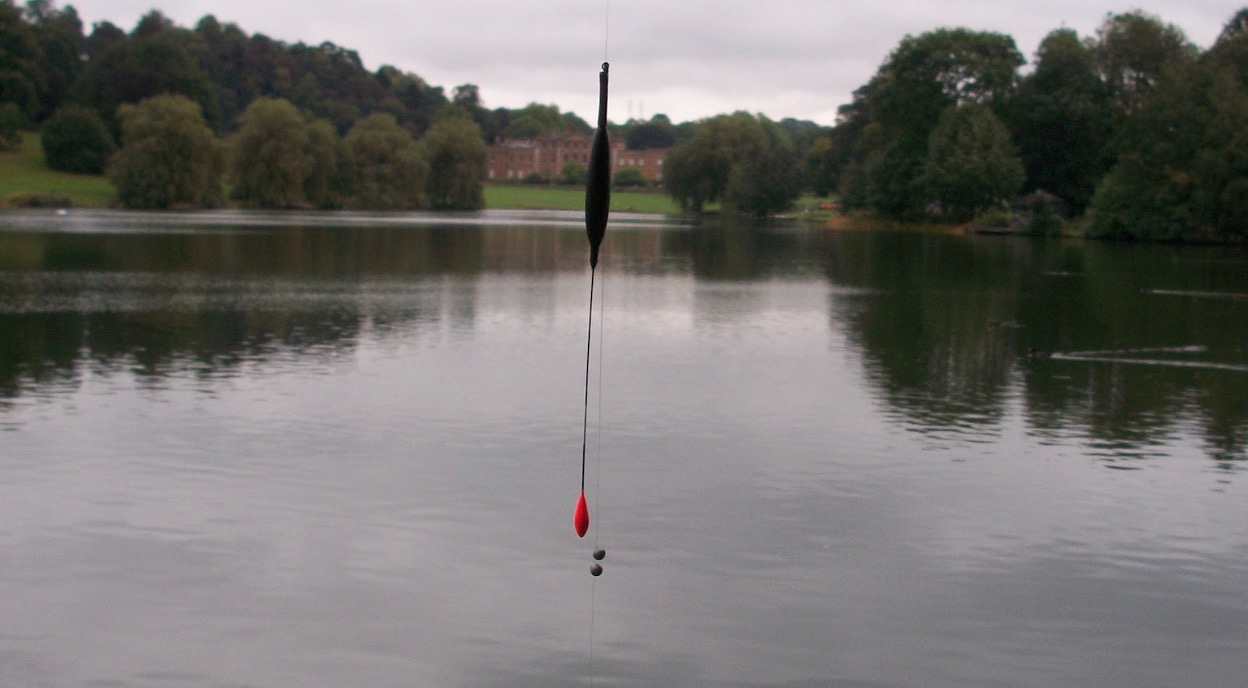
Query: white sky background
[688, 59]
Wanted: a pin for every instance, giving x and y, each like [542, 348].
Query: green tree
[630, 177]
[744, 162]
[468, 97]
[219, 50]
[894, 114]
[573, 174]
[1063, 121]
[1133, 50]
[455, 153]
[20, 78]
[103, 36]
[971, 163]
[154, 61]
[387, 169]
[61, 43]
[656, 133]
[75, 139]
[271, 159]
[327, 181]
[766, 181]
[412, 101]
[537, 121]
[1235, 27]
[169, 157]
[1181, 172]
[822, 162]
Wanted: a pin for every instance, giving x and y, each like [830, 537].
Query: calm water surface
[318, 450]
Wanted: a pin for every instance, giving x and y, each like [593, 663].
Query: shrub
[573, 174]
[75, 139]
[629, 177]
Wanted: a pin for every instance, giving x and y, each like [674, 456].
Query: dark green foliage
[574, 125]
[455, 153]
[534, 121]
[537, 121]
[1236, 27]
[468, 98]
[1063, 122]
[822, 163]
[388, 171]
[573, 174]
[928, 73]
[894, 114]
[271, 159]
[971, 163]
[656, 133]
[1042, 213]
[744, 162]
[629, 178]
[169, 157]
[1181, 176]
[1133, 50]
[21, 80]
[104, 35]
[329, 178]
[149, 63]
[61, 44]
[326, 80]
[75, 139]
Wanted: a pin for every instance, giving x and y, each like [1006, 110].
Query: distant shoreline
[27, 182]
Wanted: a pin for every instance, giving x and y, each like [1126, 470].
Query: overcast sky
[687, 59]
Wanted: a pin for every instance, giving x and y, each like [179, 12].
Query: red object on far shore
[580, 518]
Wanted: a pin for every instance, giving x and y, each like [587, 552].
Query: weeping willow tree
[169, 157]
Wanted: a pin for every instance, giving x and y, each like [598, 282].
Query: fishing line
[602, 341]
[602, 310]
[597, 208]
[584, 431]
[589, 336]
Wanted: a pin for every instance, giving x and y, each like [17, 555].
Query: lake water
[343, 450]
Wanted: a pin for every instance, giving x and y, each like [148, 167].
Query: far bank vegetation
[1133, 132]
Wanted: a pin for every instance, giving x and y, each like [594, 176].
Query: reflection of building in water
[515, 160]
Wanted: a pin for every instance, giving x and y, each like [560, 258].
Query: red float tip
[580, 518]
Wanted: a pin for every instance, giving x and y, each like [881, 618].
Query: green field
[23, 171]
[509, 196]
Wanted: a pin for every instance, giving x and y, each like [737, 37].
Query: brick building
[516, 160]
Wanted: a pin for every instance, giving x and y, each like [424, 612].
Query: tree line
[280, 125]
[1135, 129]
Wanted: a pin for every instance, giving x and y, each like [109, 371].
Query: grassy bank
[23, 172]
[521, 196]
